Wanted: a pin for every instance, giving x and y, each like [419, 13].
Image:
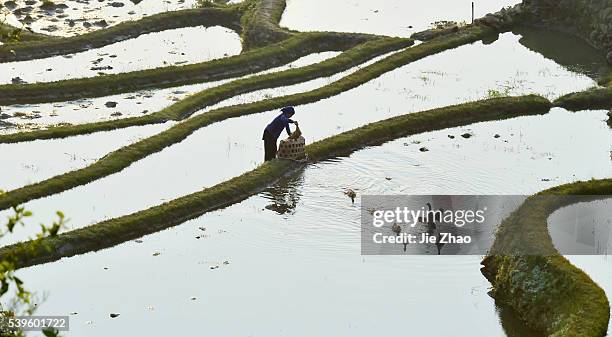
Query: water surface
[196, 163]
[590, 227]
[292, 252]
[384, 17]
[36, 116]
[82, 16]
[148, 51]
[303, 259]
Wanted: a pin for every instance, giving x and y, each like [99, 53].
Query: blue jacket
[275, 128]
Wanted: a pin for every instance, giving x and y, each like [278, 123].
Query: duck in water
[397, 229]
[429, 220]
[351, 194]
[431, 227]
[439, 244]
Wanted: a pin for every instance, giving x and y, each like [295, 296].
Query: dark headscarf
[288, 110]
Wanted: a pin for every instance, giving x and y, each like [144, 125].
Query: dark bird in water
[428, 219]
[351, 194]
[439, 244]
[397, 229]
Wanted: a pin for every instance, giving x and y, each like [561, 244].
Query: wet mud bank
[529, 275]
[112, 232]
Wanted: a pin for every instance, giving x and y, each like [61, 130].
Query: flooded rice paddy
[62, 155]
[391, 17]
[36, 116]
[75, 17]
[289, 257]
[432, 82]
[307, 252]
[148, 51]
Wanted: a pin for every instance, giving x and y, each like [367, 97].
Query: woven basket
[292, 148]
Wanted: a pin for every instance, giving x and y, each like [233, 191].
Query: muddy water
[598, 267]
[387, 17]
[161, 49]
[463, 74]
[306, 253]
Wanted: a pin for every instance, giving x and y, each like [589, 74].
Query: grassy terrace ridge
[115, 231]
[8, 33]
[595, 98]
[529, 275]
[239, 65]
[606, 80]
[40, 48]
[124, 157]
[177, 111]
[261, 23]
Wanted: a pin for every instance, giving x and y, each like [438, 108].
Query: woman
[274, 130]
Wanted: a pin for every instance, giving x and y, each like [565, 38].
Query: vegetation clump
[529, 275]
[592, 99]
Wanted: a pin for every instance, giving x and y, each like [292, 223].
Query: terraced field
[146, 135]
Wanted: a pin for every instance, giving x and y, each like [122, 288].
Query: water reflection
[285, 195]
[582, 228]
[313, 255]
[580, 58]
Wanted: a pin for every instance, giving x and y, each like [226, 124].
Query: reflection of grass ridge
[115, 231]
[528, 273]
